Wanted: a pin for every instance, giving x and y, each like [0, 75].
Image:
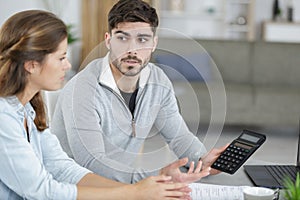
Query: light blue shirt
[36, 170]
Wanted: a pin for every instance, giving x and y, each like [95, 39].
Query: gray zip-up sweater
[97, 129]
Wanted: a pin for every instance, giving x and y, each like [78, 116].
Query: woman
[33, 47]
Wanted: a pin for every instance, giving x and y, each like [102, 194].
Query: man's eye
[63, 58]
[121, 38]
[143, 40]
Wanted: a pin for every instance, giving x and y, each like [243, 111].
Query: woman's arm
[92, 186]
[22, 171]
[151, 188]
[94, 180]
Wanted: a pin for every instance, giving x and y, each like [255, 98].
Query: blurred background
[246, 54]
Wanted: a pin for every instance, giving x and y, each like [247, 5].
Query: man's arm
[181, 140]
[175, 131]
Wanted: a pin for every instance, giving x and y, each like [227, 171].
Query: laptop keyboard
[281, 172]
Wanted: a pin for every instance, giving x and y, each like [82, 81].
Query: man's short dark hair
[132, 11]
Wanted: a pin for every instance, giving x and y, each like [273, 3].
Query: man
[106, 112]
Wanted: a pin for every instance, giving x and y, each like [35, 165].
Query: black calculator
[239, 151]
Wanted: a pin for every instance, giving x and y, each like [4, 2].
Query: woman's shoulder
[4, 105]
[9, 104]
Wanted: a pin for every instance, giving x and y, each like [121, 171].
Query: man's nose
[132, 47]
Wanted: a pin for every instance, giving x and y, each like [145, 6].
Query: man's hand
[193, 174]
[211, 157]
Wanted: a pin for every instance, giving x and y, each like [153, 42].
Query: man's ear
[107, 40]
[30, 66]
[155, 43]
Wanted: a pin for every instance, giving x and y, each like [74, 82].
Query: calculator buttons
[231, 158]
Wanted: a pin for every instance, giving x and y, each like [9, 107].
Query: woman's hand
[161, 188]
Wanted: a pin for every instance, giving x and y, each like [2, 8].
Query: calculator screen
[250, 138]
[242, 145]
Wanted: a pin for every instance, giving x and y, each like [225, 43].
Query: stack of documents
[216, 192]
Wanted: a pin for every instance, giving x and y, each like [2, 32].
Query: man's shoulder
[157, 73]
[90, 73]
[92, 68]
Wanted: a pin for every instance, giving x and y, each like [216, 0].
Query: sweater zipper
[133, 119]
[133, 134]
[133, 127]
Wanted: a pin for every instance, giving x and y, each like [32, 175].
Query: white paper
[202, 191]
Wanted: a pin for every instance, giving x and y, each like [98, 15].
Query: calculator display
[242, 145]
[250, 138]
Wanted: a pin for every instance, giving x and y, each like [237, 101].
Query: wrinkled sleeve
[175, 131]
[57, 162]
[22, 171]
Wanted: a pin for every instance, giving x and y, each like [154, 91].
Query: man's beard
[130, 70]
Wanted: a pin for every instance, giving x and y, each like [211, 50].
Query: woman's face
[51, 73]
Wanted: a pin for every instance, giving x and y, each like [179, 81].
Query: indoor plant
[71, 37]
[292, 189]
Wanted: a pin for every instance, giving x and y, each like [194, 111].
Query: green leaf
[292, 191]
[71, 37]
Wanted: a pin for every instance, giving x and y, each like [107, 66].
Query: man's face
[131, 45]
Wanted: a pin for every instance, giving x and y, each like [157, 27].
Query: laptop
[273, 176]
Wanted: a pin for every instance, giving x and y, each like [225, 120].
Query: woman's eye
[63, 58]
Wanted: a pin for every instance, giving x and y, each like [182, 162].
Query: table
[239, 178]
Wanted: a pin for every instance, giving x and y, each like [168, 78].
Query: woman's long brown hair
[27, 36]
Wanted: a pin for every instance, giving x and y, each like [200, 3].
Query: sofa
[261, 81]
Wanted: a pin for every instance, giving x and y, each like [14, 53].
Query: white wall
[70, 10]
[7, 8]
[72, 14]
[296, 4]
